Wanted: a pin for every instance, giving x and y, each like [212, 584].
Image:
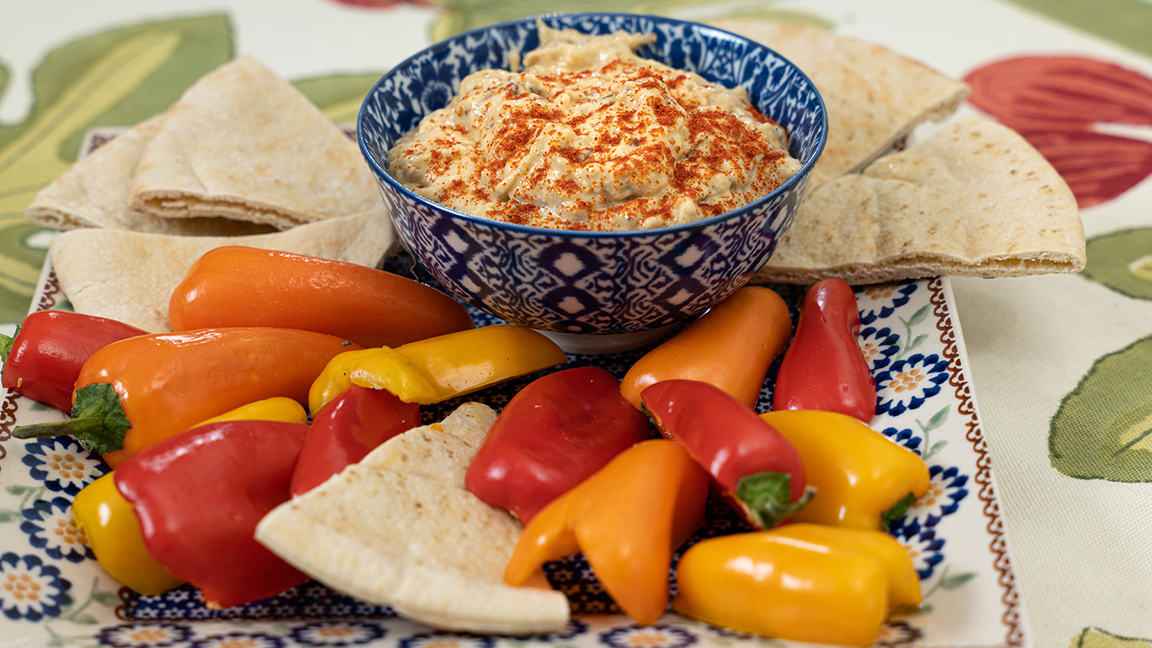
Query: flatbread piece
[242, 143]
[976, 199]
[400, 529]
[130, 276]
[874, 96]
[93, 192]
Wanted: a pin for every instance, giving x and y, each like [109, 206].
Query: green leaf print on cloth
[116, 78]
[1097, 638]
[1103, 428]
[1122, 261]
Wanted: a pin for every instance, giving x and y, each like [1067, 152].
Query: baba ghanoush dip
[590, 136]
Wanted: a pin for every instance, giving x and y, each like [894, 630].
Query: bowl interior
[427, 80]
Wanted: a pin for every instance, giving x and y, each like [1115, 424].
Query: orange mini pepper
[136, 392]
[862, 479]
[731, 347]
[627, 519]
[243, 286]
[801, 582]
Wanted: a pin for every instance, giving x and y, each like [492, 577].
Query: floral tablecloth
[1058, 365]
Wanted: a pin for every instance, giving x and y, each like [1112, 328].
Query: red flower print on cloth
[1086, 117]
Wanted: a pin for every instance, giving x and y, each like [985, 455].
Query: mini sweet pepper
[627, 518]
[731, 347]
[199, 496]
[113, 532]
[439, 368]
[801, 582]
[863, 480]
[346, 430]
[554, 433]
[824, 368]
[139, 391]
[753, 467]
[43, 360]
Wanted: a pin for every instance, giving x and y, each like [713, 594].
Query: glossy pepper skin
[439, 368]
[346, 430]
[134, 393]
[199, 496]
[243, 286]
[801, 582]
[277, 408]
[43, 360]
[731, 347]
[627, 519]
[554, 433]
[113, 532]
[755, 469]
[863, 480]
[824, 368]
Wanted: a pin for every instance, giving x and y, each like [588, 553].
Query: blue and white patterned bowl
[617, 284]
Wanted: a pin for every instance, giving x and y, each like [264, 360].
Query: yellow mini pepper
[277, 408]
[113, 532]
[627, 518]
[439, 368]
[801, 582]
[862, 479]
[109, 521]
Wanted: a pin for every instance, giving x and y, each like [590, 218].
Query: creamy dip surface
[590, 136]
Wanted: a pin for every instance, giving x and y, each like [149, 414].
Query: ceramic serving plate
[54, 593]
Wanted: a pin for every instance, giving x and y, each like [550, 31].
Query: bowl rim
[801, 175]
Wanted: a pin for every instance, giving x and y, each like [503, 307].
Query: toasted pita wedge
[973, 200]
[93, 192]
[874, 96]
[130, 276]
[400, 529]
[244, 144]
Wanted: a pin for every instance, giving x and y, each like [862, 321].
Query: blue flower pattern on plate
[144, 635]
[909, 382]
[50, 527]
[30, 589]
[891, 296]
[654, 636]
[338, 633]
[61, 464]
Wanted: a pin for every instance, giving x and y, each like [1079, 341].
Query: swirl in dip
[589, 136]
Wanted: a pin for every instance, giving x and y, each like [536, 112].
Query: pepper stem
[6, 344]
[897, 511]
[98, 421]
[767, 496]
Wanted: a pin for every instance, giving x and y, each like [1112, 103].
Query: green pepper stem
[767, 496]
[98, 421]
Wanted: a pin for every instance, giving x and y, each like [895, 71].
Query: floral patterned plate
[54, 593]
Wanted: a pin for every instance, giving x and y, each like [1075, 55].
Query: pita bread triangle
[400, 529]
[975, 199]
[874, 96]
[93, 192]
[243, 144]
[130, 276]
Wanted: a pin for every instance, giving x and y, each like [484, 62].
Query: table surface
[1058, 363]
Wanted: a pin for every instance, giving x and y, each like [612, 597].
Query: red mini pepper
[552, 435]
[199, 496]
[346, 430]
[824, 368]
[43, 360]
[754, 468]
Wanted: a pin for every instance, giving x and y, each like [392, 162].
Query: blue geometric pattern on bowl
[593, 282]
